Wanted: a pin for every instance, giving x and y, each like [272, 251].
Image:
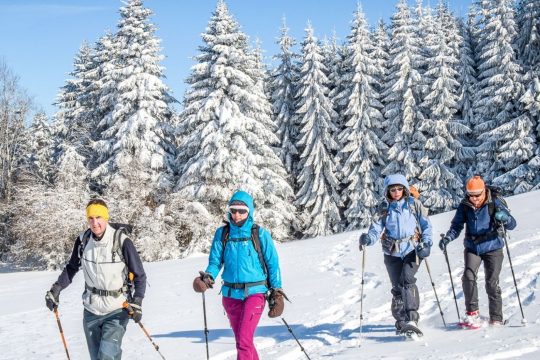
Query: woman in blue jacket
[405, 233]
[245, 280]
[482, 214]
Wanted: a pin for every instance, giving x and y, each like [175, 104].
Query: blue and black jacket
[481, 228]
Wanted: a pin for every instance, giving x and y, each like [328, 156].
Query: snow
[322, 278]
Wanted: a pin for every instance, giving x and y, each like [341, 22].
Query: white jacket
[102, 273]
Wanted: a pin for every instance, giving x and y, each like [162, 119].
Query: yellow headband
[97, 210]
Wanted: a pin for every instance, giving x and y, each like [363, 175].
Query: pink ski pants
[244, 316]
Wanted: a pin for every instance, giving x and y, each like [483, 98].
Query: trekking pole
[451, 281]
[150, 338]
[435, 291]
[61, 331]
[205, 326]
[362, 294]
[523, 320]
[295, 338]
[130, 312]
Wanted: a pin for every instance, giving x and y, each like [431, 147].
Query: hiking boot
[412, 323]
[472, 318]
[495, 323]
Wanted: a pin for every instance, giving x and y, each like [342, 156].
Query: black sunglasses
[475, 196]
[239, 211]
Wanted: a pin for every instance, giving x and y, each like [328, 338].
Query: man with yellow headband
[106, 256]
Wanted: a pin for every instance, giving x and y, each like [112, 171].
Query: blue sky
[39, 38]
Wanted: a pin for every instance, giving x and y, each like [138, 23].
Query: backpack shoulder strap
[117, 244]
[257, 245]
[417, 212]
[224, 239]
[84, 240]
[225, 234]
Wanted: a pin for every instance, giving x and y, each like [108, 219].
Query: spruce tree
[441, 184]
[283, 82]
[318, 195]
[362, 149]
[401, 97]
[135, 149]
[227, 133]
[528, 46]
[505, 131]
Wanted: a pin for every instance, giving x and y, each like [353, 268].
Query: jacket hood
[246, 199]
[395, 179]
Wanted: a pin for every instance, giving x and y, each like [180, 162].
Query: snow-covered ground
[322, 278]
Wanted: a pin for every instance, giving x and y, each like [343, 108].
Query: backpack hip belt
[100, 292]
[244, 286]
[395, 242]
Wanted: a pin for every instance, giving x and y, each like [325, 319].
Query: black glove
[135, 309]
[52, 297]
[363, 241]
[445, 240]
[502, 216]
[423, 250]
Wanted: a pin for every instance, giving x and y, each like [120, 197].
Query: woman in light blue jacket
[406, 238]
[247, 275]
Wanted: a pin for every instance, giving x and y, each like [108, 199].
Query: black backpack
[254, 239]
[495, 192]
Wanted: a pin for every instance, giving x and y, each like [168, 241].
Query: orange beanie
[475, 185]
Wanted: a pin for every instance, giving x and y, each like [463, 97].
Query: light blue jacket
[239, 259]
[399, 222]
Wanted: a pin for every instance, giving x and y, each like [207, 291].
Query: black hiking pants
[405, 298]
[492, 269]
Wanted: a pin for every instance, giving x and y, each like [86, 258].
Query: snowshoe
[411, 331]
[471, 321]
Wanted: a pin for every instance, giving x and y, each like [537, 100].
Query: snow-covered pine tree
[283, 82]
[77, 101]
[381, 43]
[528, 46]
[467, 87]
[135, 149]
[40, 149]
[505, 131]
[228, 135]
[362, 150]
[318, 195]
[334, 61]
[401, 97]
[441, 185]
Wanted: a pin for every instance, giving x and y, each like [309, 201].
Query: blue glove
[364, 241]
[445, 240]
[502, 216]
[423, 250]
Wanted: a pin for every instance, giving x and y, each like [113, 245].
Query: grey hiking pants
[104, 334]
[405, 298]
[492, 269]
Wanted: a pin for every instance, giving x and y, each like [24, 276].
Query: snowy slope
[322, 278]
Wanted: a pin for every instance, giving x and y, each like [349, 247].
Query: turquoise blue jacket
[239, 259]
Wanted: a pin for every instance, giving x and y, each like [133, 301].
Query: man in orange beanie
[483, 212]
